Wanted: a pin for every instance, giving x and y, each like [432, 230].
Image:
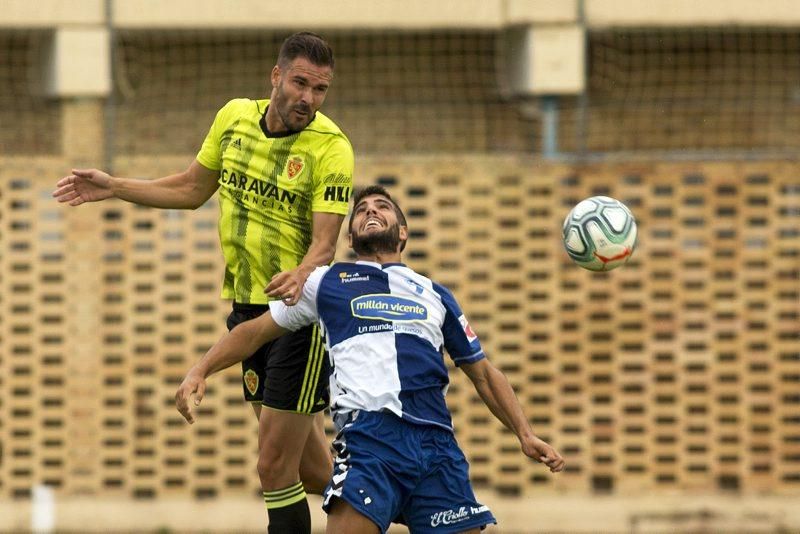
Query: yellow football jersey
[269, 187]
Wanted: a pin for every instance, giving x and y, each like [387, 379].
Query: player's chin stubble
[292, 126]
[285, 110]
[386, 242]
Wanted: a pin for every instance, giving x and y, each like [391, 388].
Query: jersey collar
[270, 135]
[378, 265]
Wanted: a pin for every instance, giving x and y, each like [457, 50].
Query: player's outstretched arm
[189, 189]
[496, 392]
[235, 346]
[288, 285]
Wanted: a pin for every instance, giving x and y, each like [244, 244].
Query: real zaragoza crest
[293, 167]
[251, 381]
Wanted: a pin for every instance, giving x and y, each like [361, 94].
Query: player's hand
[83, 185]
[287, 286]
[543, 452]
[194, 385]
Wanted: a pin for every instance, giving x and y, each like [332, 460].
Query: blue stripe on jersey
[341, 284]
[418, 354]
[422, 394]
[458, 345]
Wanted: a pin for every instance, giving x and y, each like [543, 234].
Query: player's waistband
[343, 417]
[245, 308]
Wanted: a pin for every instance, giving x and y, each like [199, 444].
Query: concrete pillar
[546, 60]
[78, 63]
[83, 132]
[78, 73]
[83, 146]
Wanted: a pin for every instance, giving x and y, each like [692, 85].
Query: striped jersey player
[386, 328]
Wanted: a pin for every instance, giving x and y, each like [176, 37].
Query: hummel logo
[238, 144]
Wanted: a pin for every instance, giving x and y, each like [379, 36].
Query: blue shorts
[389, 469]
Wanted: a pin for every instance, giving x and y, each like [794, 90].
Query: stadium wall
[673, 377]
[670, 385]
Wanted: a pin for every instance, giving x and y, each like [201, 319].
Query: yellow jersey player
[284, 173]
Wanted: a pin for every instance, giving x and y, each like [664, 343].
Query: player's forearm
[325, 234]
[497, 393]
[319, 253]
[239, 344]
[175, 192]
[235, 346]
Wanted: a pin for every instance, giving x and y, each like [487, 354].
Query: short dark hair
[381, 191]
[308, 45]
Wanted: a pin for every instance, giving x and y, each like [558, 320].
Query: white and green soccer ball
[600, 233]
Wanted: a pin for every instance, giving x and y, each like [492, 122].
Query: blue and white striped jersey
[385, 327]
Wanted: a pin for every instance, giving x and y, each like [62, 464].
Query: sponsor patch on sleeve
[471, 336]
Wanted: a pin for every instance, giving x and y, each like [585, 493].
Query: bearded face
[298, 90]
[294, 114]
[372, 241]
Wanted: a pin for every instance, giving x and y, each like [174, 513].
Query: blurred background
[671, 385]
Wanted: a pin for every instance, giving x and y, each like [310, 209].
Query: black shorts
[289, 373]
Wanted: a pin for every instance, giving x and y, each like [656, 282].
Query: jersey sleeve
[334, 181]
[304, 312]
[460, 341]
[210, 155]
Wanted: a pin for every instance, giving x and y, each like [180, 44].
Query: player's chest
[283, 162]
[357, 303]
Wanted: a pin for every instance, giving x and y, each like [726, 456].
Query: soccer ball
[599, 233]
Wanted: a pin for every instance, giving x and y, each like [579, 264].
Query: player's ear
[275, 76]
[403, 237]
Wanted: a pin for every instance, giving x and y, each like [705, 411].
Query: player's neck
[381, 257]
[273, 122]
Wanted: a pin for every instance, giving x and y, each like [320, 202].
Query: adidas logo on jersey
[238, 144]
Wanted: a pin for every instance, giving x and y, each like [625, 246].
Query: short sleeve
[334, 181]
[304, 312]
[460, 340]
[210, 156]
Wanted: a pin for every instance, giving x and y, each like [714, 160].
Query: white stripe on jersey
[405, 282]
[368, 359]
